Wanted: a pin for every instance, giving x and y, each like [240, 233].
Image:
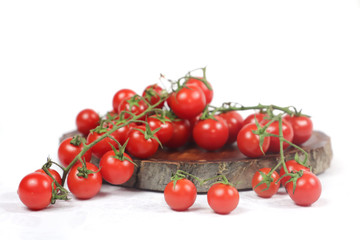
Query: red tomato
[100, 148]
[188, 102]
[68, 151]
[122, 133]
[251, 118]
[86, 120]
[211, 134]
[223, 198]
[134, 105]
[292, 166]
[166, 131]
[308, 189]
[302, 127]
[182, 196]
[35, 191]
[153, 94]
[249, 143]
[115, 171]
[208, 93]
[234, 122]
[140, 147]
[120, 96]
[53, 173]
[260, 190]
[181, 134]
[84, 188]
[288, 134]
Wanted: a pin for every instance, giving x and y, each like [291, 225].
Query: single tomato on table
[223, 198]
[180, 196]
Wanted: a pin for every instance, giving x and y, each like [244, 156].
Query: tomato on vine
[181, 134]
[119, 96]
[70, 148]
[153, 94]
[206, 88]
[143, 142]
[53, 173]
[291, 166]
[187, 102]
[223, 198]
[273, 128]
[86, 120]
[302, 126]
[164, 125]
[234, 122]
[35, 191]
[180, 194]
[211, 133]
[263, 185]
[135, 105]
[249, 143]
[305, 189]
[84, 182]
[103, 146]
[251, 118]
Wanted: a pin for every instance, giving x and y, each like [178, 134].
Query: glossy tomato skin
[251, 118]
[84, 188]
[35, 191]
[302, 127]
[100, 148]
[308, 189]
[260, 190]
[208, 93]
[181, 197]
[119, 96]
[211, 134]
[153, 94]
[53, 173]
[234, 122]
[188, 102]
[86, 120]
[136, 109]
[181, 134]
[292, 166]
[115, 171]
[166, 131]
[67, 152]
[223, 198]
[288, 134]
[122, 133]
[248, 142]
[140, 147]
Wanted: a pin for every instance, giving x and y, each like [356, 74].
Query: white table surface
[59, 58]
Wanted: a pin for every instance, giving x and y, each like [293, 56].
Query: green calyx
[266, 179]
[77, 140]
[119, 153]
[84, 172]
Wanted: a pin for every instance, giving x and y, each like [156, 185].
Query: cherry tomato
[115, 171]
[288, 134]
[140, 147]
[196, 82]
[251, 118]
[187, 102]
[292, 166]
[122, 133]
[100, 148]
[81, 187]
[234, 122]
[153, 94]
[307, 191]
[35, 191]
[86, 120]
[134, 105]
[182, 196]
[302, 127]
[166, 128]
[119, 96]
[53, 173]
[211, 134]
[68, 151]
[181, 134]
[260, 190]
[223, 198]
[249, 143]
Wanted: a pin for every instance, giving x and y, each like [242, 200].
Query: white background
[59, 57]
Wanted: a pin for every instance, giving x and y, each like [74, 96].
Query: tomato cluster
[139, 124]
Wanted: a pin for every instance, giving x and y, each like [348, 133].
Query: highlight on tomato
[119, 96]
[86, 120]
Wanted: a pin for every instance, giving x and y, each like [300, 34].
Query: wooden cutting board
[155, 173]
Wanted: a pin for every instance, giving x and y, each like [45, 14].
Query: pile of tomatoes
[138, 125]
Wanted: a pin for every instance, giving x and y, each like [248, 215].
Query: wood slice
[155, 173]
